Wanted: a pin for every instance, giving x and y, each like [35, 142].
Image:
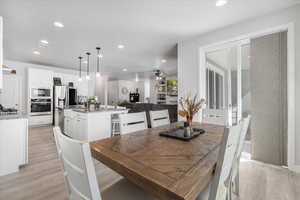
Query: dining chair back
[159, 118]
[215, 116]
[236, 164]
[132, 122]
[219, 188]
[79, 170]
[221, 183]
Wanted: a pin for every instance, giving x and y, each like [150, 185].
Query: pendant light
[136, 77]
[80, 78]
[98, 62]
[88, 66]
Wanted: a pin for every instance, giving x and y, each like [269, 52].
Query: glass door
[215, 89]
[224, 75]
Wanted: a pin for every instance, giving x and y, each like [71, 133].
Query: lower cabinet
[13, 145]
[80, 128]
[87, 126]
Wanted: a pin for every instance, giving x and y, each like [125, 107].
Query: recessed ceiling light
[220, 3]
[121, 46]
[84, 62]
[44, 42]
[124, 70]
[163, 60]
[58, 24]
[100, 55]
[36, 53]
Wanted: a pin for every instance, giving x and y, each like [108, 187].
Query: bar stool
[115, 122]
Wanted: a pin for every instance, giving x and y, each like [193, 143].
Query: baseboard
[295, 168]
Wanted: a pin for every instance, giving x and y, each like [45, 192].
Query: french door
[215, 90]
[223, 75]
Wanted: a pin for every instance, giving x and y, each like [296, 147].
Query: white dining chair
[236, 165]
[215, 116]
[80, 176]
[132, 122]
[219, 187]
[159, 118]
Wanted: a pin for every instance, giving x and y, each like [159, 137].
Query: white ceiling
[149, 29]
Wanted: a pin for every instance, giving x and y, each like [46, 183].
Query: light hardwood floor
[42, 178]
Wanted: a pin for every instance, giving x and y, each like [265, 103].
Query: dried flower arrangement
[190, 105]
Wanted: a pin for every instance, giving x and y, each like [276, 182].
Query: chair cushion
[124, 190]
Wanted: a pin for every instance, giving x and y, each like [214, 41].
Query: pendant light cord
[88, 63]
[98, 59]
[79, 66]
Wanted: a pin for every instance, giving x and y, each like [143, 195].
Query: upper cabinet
[40, 78]
[1, 52]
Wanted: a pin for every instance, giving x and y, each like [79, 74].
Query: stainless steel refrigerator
[59, 103]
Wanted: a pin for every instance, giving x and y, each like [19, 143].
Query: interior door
[224, 80]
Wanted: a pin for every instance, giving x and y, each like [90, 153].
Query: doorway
[251, 77]
[226, 83]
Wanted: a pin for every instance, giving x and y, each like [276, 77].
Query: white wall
[188, 54]
[101, 89]
[115, 94]
[1, 51]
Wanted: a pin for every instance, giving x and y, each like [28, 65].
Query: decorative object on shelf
[88, 66]
[161, 91]
[124, 90]
[172, 87]
[159, 74]
[190, 105]
[98, 62]
[80, 61]
[92, 103]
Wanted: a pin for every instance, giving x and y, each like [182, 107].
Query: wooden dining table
[168, 168]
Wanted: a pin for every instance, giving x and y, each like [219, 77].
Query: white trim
[295, 168]
[291, 97]
[290, 27]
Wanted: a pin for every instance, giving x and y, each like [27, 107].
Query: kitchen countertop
[100, 110]
[72, 107]
[16, 116]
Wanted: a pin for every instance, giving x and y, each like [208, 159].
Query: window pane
[211, 89]
[219, 91]
[207, 87]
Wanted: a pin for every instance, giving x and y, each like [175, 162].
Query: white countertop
[16, 116]
[100, 110]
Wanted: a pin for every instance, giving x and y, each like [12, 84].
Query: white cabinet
[89, 126]
[68, 117]
[40, 78]
[13, 144]
[10, 95]
[1, 51]
[82, 86]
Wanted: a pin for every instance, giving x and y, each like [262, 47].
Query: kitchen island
[13, 143]
[89, 126]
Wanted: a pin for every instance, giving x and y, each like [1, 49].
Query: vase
[189, 120]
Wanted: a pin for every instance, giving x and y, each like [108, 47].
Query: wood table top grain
[165, 167]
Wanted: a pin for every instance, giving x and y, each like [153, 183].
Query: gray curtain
[268, 73]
